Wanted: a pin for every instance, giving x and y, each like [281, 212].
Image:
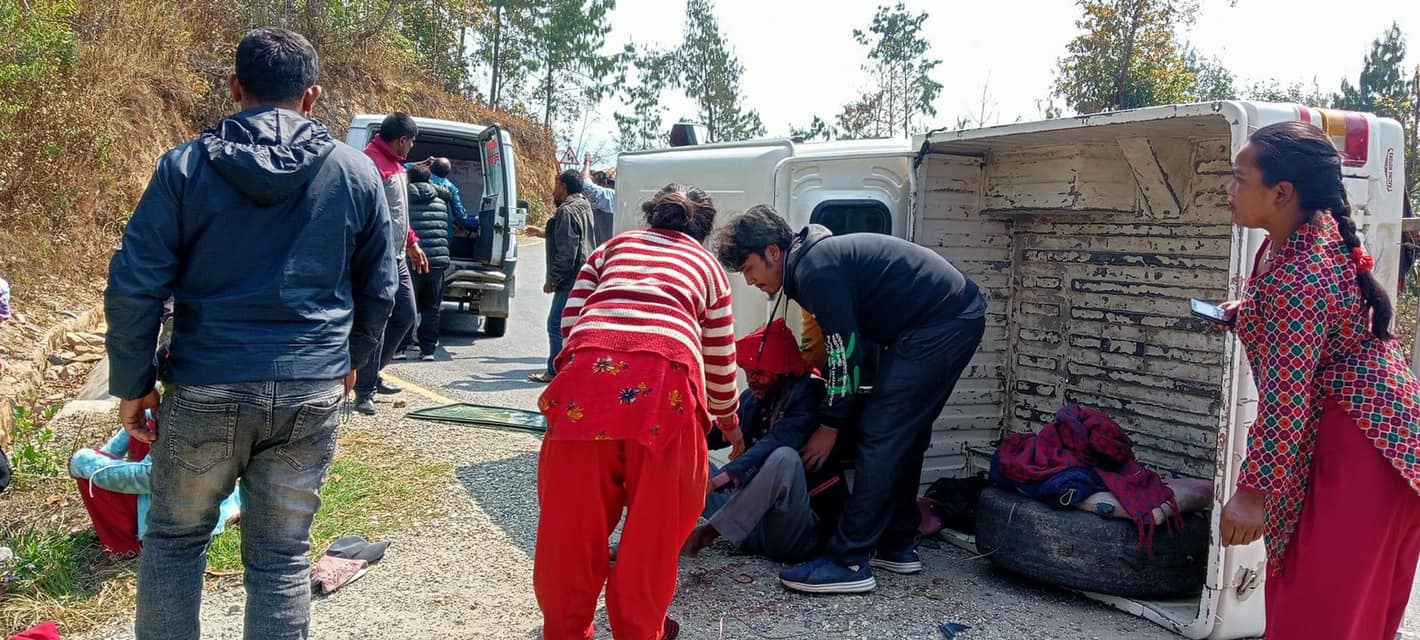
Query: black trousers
[397, 328]
[428, 298]
[915, 378]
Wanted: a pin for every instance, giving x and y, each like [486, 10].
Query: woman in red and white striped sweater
[647, 368]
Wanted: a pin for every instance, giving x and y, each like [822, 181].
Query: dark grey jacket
[273, 240]
[571, 238]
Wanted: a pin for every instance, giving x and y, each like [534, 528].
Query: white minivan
[481, 278]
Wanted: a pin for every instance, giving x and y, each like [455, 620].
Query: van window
[492, 168]
[843, 217]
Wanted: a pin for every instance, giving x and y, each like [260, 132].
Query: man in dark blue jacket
[273, 239]
[769, 500]
[878, 289]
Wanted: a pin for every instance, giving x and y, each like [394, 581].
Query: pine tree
[902, 92]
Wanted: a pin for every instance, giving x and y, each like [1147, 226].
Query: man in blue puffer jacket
[273, 239]
[429, 216]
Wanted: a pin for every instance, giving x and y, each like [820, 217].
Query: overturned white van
[1089, 235]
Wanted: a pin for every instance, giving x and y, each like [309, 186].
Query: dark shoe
[671, 631]
[400, 355]
[386, 389]
[365, 406]
[905, 562]
[823, 575]
[426, 357]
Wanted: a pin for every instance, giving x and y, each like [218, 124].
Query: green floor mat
[483, 416]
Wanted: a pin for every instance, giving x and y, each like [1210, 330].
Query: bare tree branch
[379, 25]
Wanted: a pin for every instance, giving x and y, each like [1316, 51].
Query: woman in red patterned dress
[649, 362]
[1331, 474]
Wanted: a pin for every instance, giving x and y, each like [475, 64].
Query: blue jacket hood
[267, 154]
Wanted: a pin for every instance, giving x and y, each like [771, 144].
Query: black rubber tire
[1079, 550]
[458, 323]
[495, 327]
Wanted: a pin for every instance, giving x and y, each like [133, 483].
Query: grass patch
[60, 571]
[361, 497]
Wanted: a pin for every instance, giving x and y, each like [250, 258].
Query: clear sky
[800, 58]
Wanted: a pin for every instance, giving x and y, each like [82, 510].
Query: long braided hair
[1303, 155]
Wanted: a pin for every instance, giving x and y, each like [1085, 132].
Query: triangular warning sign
[569, 156]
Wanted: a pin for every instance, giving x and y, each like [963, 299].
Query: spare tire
[1080, 550]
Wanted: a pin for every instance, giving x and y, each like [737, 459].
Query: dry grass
[63, 574]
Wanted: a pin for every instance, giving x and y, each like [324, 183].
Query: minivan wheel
[495, 327]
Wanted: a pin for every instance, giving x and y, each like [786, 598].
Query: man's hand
[131, 414]
[815, 452]
[548, 288]
[1244, 518]
[534, 232]
[418, 260]
[350, 380]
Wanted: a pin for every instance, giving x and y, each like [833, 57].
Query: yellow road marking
[418, 390]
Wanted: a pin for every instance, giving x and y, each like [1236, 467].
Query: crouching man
[868, 288]
[768, 500]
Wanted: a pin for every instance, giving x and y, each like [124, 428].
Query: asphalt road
[488, 370]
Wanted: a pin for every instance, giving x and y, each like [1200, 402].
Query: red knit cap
[780, 353]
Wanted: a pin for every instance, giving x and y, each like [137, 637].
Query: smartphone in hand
[1210, 312]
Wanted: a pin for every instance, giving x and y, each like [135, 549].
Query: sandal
[540, 377]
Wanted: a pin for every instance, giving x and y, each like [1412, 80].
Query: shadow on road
[505, 381]
[501, 360]
[507, 491]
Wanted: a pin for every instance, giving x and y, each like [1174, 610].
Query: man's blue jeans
[554, 328]
[278, 438]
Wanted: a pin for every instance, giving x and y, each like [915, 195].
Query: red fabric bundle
[1088, 438]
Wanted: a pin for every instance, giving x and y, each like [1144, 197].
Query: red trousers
[582, 487]
[1348, 569]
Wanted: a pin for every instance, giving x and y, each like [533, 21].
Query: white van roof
[364, 120]
[835, 148]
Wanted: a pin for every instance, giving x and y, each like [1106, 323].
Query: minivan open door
[494, 209]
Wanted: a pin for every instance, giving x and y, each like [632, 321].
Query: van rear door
[494, 208]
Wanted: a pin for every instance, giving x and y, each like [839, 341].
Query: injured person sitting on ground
[769, 501]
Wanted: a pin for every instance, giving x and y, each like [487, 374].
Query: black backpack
[954, 500]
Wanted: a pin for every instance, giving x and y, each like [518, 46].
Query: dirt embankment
[93, 91]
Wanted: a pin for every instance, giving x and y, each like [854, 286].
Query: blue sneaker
[905, 562]
[823, 575]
